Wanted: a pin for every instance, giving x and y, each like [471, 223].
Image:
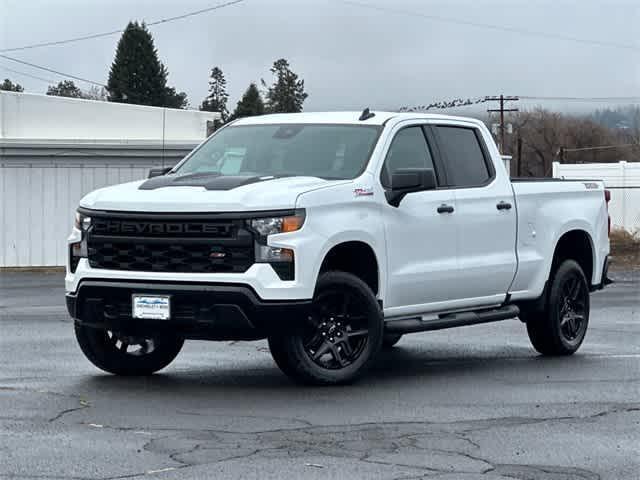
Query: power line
[18, 72]
[115, 32]
[46, 69]
[602, 147]
[584, 99]
[502, 28]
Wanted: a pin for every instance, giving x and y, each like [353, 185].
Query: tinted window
[408, 150]
[326, 151]
[466, 165]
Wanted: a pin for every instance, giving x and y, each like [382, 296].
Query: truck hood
[272, 194]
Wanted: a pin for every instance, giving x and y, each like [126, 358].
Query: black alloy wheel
[337, 330]
[561, 327]
[339, 338]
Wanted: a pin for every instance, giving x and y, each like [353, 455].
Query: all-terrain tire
[549, 331]
[101, 349]
[390, 339]
[292, 354]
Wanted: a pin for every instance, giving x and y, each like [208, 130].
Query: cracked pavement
[468, 403]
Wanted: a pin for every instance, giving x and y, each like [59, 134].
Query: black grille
[179, 245]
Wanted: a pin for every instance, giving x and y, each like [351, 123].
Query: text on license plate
[156, 307]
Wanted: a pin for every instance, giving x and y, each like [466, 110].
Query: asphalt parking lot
[469, 403]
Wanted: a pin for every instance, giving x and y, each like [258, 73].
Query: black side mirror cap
[409, 180]
[158, 171]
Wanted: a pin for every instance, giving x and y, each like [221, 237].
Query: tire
[390, 339]
[560, 329]
[109, 352]
[338, 341]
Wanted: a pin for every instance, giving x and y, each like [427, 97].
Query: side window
[465, 161]
[408, 149]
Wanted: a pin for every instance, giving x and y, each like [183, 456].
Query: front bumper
[198, 311]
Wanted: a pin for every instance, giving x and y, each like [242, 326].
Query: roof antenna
[366, 115]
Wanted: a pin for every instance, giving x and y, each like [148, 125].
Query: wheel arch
[575, 244]
[357, 257]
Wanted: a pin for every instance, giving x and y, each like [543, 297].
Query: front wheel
[337, 342]
[127, 355]
[561, 328]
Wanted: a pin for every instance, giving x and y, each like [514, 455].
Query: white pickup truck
[331, 235]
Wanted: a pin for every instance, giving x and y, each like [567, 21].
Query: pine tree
[217, 98]
[174, 99]
[9, 86]
[287, 94]
[250, 104]
[137, 75]
[65, 88]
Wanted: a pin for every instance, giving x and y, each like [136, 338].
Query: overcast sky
[349, 56]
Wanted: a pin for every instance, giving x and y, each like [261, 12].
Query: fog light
[77, 251]
[280, 259]
[264, 253]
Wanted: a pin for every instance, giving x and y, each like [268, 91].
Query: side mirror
[158, 171]
[409, 180]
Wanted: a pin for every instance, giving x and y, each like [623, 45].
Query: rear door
[485, 215]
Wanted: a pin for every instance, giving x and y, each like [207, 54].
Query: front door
[420, 233]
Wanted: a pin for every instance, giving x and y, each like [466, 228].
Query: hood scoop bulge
[207, 180]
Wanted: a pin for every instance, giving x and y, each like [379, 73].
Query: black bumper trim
[199, 310]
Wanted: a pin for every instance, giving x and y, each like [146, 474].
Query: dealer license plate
[155, 307]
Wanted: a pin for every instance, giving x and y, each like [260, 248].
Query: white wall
[37, 204]
[54, 150]
[30, 117]
[622, 179]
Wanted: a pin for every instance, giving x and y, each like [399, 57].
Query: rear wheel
[127, 355]
[336, 343]
[561, 328]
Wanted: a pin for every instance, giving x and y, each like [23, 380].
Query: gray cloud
[349, 57]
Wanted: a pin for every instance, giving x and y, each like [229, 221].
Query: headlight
[82, 222]
[272, 225]
[280, 259]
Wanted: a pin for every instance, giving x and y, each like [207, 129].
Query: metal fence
[622, 179]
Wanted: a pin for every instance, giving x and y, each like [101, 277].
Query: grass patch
[625, 249]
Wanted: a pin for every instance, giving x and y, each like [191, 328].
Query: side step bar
[452, 320]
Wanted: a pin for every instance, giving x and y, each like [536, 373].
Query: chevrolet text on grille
[115, 227]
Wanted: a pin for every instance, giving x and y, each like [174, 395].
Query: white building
[53, 150]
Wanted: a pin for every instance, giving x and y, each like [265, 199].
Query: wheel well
[356, 258]
[575, 245]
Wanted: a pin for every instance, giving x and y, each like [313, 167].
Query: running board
[452, 320]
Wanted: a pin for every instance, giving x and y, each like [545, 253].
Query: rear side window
[464, 157]
[408, 149]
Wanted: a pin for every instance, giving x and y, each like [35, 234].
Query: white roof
[343, 118]
[32, 117]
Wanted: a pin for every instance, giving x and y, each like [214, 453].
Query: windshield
[325, 151]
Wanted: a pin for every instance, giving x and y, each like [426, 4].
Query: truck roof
[350, 117]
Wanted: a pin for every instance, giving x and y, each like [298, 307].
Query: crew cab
[332, 235]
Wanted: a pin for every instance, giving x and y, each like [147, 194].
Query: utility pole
[502, 99]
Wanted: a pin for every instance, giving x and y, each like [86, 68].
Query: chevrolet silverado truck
[332, 235]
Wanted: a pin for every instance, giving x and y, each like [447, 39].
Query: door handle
[503, 206]
[444, 208]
